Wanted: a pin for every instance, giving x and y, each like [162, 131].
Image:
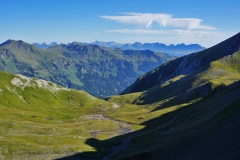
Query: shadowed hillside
[190, 114]
[185, 65]
[207, 129]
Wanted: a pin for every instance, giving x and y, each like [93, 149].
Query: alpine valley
[182, 108]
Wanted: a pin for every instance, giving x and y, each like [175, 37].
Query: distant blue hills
[175, 50]
[45, 45]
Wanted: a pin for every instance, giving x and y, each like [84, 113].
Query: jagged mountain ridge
[99, 71]
[45, 45]
[176, 50]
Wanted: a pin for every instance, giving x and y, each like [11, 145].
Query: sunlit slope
[186, 65]
[41, 120]
[219, 74]
[193, 114]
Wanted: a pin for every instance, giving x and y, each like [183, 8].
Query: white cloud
[162, 19]
[169, 29]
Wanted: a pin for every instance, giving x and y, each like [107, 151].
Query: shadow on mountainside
[208, 129]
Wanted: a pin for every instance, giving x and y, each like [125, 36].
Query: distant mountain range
[175, 50]
[100, 71]
[45, 45]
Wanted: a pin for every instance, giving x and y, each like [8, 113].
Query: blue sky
[206, 22]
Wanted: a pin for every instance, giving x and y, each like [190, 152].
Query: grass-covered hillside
[186, 109]
[99, 71]
[184, 88]
[203, 128]
[195, 110]
[186, 65]
[41, 120]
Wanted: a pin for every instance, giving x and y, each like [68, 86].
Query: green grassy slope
[203, 129]
[220, 73]
[99, 71]
[185, 65]
[189, 116]
[207, 129]
[41, 120]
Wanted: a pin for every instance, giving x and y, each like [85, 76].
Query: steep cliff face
[185, 65]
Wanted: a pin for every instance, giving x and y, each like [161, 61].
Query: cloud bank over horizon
[163, 26]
